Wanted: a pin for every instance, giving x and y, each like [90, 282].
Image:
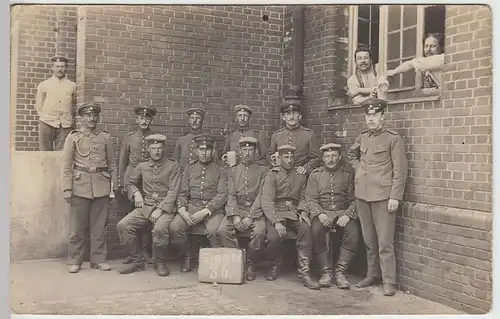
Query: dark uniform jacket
[232, 144]
[134, 150]
[159, 183]
[89, 164]
[381, 165]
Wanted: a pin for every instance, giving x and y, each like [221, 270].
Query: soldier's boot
[340, 278]
[132, 267]
[303, 271]
[389, 290]
[73, 269]
[325, 270]
[274, 269]
[250, 270]
[160, 261]
[186, 262]
[147, 243]
[134, 262]
[368, 281]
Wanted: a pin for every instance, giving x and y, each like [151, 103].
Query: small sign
[221, 265]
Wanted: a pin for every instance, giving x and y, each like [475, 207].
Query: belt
[244, 201]
[200, 202]
[287, 202]
[91, 169]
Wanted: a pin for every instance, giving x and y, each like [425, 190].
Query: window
[394, 33]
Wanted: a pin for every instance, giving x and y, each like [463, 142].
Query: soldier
[243, 212]
[159, 180]
[185, 147]
[201, 199]
[243, 115]
[331, 203]
[89, 170]
[307, 154]
[55, 98]
[134, 151]
[284, 205]
[379, 158]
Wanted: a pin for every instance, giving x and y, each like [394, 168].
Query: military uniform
[283, 199]
[244, 186]
[304, 139]
[203, 186]
[233, 138]
[185, 147]
[381, 165]
[88, 171]
[159, 182]
[331, 192]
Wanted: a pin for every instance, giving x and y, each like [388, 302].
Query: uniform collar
[157, 163]
[87, 132]
[333, 170]
[377, 132]
[145, 133]
[242, 130]
[293, 129]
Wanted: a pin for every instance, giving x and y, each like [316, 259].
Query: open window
[395, 33]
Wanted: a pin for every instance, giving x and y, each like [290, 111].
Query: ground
[45, 287]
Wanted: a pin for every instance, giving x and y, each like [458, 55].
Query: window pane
[364, 12]
[394, 22]
[409, 16]
[374, 50]
[409, 43]
[408, 77]
[375, 13]
[393, 46]
[374, 42]
[363, 32]
[394, 80]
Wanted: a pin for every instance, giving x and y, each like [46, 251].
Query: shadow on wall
[39, 216]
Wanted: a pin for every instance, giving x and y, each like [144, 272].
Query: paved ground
[44, 287]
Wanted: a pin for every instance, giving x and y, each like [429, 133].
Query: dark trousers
[51, 138]
[83, 213]
[348, 244]
[127, 229]
[257, 231]
[378, 227]
[179, 228]
[275, 242]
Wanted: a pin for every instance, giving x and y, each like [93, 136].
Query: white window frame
[381, 66]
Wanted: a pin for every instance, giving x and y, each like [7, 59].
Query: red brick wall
[41, 32]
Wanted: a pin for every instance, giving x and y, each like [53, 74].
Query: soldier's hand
[325, 220]
[67, 196]
[236, 222]
[245, 223]
[122, 190]
[138, 200]
[198, 217]
[392, 206]
[301, 170]
[305, 218]
[186, 216]
[155, 215]
[280, 228]
[343, 220]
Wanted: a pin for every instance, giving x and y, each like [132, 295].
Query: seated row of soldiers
[192, 188]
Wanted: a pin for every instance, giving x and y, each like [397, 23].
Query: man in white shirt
[362, 85]
[54, 104]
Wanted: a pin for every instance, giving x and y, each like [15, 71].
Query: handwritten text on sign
[222, 265]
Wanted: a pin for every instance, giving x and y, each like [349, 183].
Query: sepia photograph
[237, 159]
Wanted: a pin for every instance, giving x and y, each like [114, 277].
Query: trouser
[144, 240]
[179, 228]
[127, 228]
[83, 213]
[348, 244]
[51, 138]
[275, 242]
[378, 227]
[257, 231]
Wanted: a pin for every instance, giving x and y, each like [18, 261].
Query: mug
[230, 158]
[275, 159]
[382, 87]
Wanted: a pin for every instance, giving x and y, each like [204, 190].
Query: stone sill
[419, 99]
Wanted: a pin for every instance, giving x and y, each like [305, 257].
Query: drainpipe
[297, 53]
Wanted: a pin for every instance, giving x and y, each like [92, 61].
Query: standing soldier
[307, 154]
[89, 170]
[134, 150]
[55, 98]
[243, 114]
[379, 158]
[243, 210]
[185, 147]
[153, 186]
[201, 199]
[284, 205]
[331, 203]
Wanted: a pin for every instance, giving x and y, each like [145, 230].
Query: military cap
[292, 105]
[248, 141]
[240, 107]
[330, 147]
[156, 139]
[59, 58]
[89, 107]
[286, 149]
[195, 110]
[148, 109]
[373, 106]
[204, 139]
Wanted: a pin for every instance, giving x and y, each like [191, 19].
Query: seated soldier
[159, 180]
[284, 205]
[331, 203]
[243, 212]
[201, 199]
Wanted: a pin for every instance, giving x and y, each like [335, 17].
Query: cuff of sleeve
[211, 208]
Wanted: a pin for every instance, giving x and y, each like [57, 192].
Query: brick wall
[443, 242]
[180, 57]
[41, 32]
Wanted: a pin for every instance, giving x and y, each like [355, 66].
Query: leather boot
[368, 281]
[250, 271]
[160, 261]
[135, 261]
[186, 262]
[325, 269]
[340, 278]
[274, 269]
[389, 290]
[162, 269]
[132, 267]
[303, 271]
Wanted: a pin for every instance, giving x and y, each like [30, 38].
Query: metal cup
[275, 159]
[230, 158]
